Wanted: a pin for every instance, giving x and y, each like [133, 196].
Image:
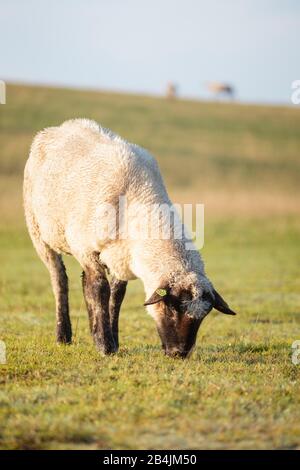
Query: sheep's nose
[176, 353]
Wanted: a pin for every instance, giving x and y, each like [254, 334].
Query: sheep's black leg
[97, 292]
[117, 293]
[60, 287]
[59, 280]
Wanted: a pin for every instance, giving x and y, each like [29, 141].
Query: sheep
[73, 173]
[2, 92]
[221, 89]
[171, 91]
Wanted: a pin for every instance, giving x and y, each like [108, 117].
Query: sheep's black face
[177, 331]
[178, 315]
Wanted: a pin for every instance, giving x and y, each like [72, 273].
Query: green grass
[239, 389]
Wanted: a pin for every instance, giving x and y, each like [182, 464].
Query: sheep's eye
[181, 308]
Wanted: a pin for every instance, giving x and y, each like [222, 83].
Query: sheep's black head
[179, 310]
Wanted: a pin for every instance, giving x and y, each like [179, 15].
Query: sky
[138, 46]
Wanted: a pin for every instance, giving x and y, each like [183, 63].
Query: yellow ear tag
[161, 292]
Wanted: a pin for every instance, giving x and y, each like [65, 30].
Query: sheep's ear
[157, 296]
[221, 305]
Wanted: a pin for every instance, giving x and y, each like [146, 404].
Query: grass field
[239, 389]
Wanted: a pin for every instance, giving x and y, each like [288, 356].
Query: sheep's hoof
[63, 341]
[116, 341]
[63, 336]
[105, 347]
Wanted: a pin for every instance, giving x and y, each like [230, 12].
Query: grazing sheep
[221, 89]
[171, 91]
[73, 174]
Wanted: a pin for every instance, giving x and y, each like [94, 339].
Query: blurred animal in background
[221, 90]
[2, 92]
[171, 91]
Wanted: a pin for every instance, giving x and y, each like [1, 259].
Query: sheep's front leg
[97, 292]
[117, 293]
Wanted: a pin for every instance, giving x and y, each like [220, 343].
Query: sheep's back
[74, 168]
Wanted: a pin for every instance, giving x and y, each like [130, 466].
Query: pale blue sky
[138, 45]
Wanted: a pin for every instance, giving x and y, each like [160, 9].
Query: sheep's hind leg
[59, 281]
[96, 293]
[117, 293]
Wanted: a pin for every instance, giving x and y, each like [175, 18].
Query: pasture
[240, 388]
